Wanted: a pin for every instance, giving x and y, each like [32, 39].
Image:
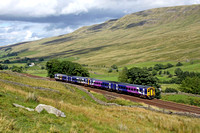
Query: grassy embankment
[82, 113]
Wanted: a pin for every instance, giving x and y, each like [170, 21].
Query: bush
[170, 90]
[179, 64]
[158, 94]
[1, 67]
[17, 69]
[109, 70]
[114, 66]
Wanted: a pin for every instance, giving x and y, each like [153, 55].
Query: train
[132, 89]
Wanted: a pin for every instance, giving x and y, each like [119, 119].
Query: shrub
[179, 64]
[158, 94]
[114, 66]
[110, 70]
[170, 90]
[1, 67]
[17, 69]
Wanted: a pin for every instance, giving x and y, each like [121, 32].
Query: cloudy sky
[27, 20]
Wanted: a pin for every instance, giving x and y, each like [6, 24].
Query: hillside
[83, 114]
[162, 34]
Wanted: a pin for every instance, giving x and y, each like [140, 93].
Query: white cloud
[45, 18]
[35, 8]
[41, 8]
[13, 32]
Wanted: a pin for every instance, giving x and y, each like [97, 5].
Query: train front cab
[58, 77]
[150, 92]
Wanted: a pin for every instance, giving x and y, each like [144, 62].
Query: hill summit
[170, 33]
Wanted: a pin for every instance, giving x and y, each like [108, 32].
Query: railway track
[155, 102]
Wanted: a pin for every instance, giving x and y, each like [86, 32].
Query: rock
[50, 109]
[20, 106]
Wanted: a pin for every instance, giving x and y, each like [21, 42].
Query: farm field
[82, 113]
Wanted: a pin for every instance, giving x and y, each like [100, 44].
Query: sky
[28, 20]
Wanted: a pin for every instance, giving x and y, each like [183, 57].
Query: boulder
[49, 109]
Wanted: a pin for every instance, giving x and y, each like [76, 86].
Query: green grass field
[82, 113]
[182, 99]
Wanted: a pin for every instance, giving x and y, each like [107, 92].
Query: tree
[191, 85]
[178, 71]
[150, 69]
[17, 69]
[123, 75]
[65, 67]
[41, 59]
[1, 67]
[169, 65]
[154, 72]
[167, 72]
[53, 67]
[114, 66]
[7, 61]
[141, 77]
[160, 73]
[109, 70]
[179, 64]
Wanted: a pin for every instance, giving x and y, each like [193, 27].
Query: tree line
[13, 68]
[65, 67]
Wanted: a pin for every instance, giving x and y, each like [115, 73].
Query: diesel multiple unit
[138, 90]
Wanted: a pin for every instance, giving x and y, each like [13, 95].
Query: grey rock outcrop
[49, 109]
[41, 107]
[20, 106]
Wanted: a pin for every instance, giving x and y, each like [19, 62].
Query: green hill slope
[161, 34]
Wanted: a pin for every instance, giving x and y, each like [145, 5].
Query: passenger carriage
[138, 90]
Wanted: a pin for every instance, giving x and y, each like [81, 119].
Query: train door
[109, 86]
[151, 92]
[117, 88]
